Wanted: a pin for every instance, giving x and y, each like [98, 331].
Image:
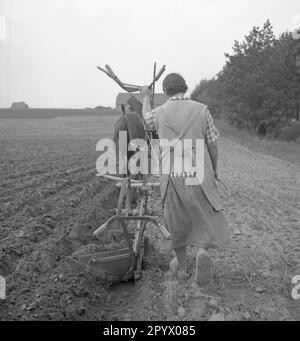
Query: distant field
[50, 113]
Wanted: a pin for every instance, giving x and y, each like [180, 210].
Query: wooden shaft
[121, 197]
[140, 227]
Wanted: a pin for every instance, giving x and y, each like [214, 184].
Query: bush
[291, 132]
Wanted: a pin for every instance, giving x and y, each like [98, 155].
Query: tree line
[259, 86]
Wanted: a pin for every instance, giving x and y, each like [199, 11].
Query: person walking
[193, 214]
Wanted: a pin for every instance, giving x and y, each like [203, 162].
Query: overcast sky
[50, 48]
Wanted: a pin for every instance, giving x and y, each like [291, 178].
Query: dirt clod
[217, 317]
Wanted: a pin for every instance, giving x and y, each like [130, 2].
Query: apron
[192, 213]
[208, 182]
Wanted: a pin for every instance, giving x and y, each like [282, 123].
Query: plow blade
[112, 266]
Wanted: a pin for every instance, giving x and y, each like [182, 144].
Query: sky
[49, 49]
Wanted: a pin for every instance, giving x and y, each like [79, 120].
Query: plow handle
[104, 71]
[162, 70]
[109, 69]
[129, 87]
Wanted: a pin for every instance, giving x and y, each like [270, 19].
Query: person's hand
[145, 91]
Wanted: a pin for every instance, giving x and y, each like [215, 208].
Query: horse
[131, 123]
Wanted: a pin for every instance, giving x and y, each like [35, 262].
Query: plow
[125, 264]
